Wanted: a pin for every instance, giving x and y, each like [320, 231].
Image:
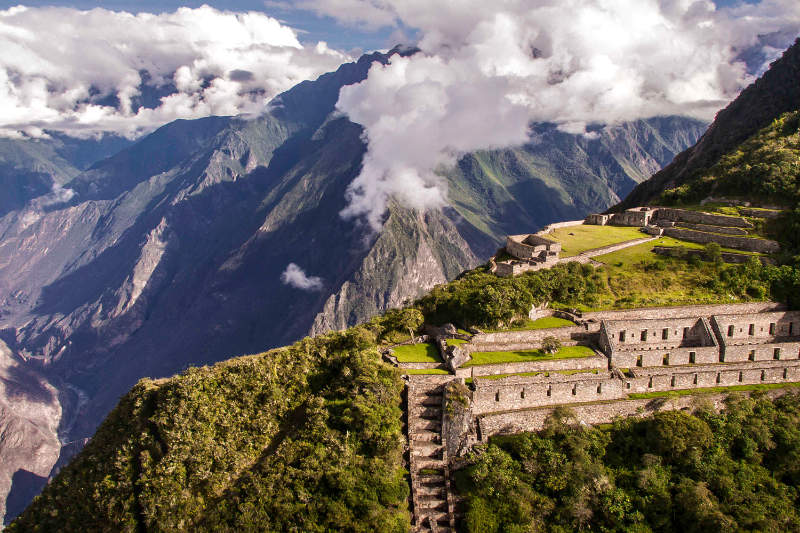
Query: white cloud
[488, 69]
[60, 65]
[294, 276]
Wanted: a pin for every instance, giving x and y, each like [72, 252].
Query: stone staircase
[430, 476]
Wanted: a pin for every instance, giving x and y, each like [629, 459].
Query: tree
[405, 320]
[714, 252]
[550, 345]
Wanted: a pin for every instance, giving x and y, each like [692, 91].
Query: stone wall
[748, 244]
[597, 413]
[683, 311]
[696, 217]
[727, 257]
[654, 342]
[523, 392]
[523, 340]
[715, 229]
[598, 362]
[705, 376]
[555, 225]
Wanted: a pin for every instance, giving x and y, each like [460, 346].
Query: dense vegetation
[305, 438]
[482, 299]
[766, 166]
[738, 470]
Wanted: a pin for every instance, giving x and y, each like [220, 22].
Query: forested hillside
[732, 471]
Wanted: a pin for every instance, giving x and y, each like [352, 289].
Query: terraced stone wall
[747, 244]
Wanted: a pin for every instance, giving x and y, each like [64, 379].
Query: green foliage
[304, 438]
[550, 345]
[674, 471]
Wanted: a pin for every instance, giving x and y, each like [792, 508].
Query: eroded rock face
[29, 418]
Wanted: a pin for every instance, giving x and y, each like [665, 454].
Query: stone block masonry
[596, 413]
[697, 217]
[758, 337]
[747, 244]
[597, 362]
[657, 342]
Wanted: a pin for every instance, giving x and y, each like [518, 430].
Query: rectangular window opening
[776, 353]
[664, 334]
[752, 330]
[772, 328]
[731, 329]
[692, 357]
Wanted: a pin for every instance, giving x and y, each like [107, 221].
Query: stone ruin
[531, 252]
[636, 351]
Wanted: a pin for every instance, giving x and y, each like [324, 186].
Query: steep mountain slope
[170, 253]
[775, 93]
[30, 168]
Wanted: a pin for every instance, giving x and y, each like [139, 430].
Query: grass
[577, 239]
[463, 331]
[490, 358]
[424, 371]
[540, 323]
[422, 352]
[546, 374]
[710, 390]
[636, 277]
[430, 472]
[455, 342]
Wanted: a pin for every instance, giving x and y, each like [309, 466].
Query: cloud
[294, 276]
[486, 70]
[84, 72]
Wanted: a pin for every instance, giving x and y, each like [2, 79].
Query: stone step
[435, 491]
[431, 505]
[431, 480]
[430, 413]
[430, 425]
[424, 463]
[431, 399]
[427, 436]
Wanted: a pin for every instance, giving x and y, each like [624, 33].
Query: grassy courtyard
[577, 239]
[540, 323]
[422, 352]
[491, 358]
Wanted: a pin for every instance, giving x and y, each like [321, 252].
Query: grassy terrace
[455, 342]
[423, 352]
[710, 390]
[540, 323]
[490, 358]
[424, 371]
[546, 374]
[577, 239]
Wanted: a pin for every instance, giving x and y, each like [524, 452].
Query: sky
[485, 71]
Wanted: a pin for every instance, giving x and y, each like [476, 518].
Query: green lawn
[577, 239]
[455, 342]
[710, 390]
[490, 358]
[422, 352]
[540, 323]
[424, 371]
[463, 331]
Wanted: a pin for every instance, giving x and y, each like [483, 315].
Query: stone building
[533, 252]
[658, 342]
[596, 219]
[636, 216]
[532, 247]
[758, 337]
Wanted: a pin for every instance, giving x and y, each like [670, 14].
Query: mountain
[775, 93]
[31, 168]
[170, 253]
